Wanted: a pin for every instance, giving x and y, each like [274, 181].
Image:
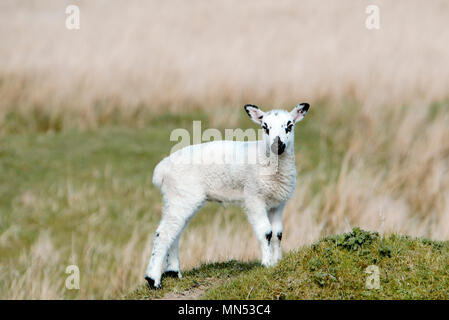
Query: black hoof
[151, 283]
[171, 274]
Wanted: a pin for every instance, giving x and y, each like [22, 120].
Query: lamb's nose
[278, 146]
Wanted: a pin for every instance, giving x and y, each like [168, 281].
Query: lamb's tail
[159, 173]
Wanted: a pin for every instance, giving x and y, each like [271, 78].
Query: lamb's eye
[265, 128]
[289, 127]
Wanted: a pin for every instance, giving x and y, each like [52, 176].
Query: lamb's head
[278, 125]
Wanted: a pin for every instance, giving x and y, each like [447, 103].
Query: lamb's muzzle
[278, 146]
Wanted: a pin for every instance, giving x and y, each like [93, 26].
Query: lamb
[260, 176]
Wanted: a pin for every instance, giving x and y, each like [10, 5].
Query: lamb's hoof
[267, 264]
[172, 274]
[151, 284]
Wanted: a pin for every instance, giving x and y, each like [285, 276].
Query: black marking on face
[268, 236]
[279, 235]
[278, 146]
[289, 127]
[157, 234]
[265, 128]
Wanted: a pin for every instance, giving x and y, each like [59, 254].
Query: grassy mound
[336, 267]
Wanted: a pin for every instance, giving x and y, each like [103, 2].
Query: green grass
[45, 166]
[333, 268]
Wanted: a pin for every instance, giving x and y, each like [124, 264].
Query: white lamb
[258, 175]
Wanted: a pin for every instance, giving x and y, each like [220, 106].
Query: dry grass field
[86, 114]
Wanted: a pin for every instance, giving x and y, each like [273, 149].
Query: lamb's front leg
[275, 215]
[258, 217]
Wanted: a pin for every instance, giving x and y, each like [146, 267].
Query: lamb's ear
[254, 113]
[299, 112]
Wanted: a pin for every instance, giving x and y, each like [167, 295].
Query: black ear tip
[250, 106]
[305, 106]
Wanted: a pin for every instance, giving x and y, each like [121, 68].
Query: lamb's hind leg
[172, 267]
[173, 222]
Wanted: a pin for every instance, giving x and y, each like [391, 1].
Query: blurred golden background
[181, 55]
